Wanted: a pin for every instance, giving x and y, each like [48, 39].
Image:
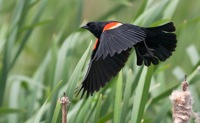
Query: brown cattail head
[64, 100]
[182, 104]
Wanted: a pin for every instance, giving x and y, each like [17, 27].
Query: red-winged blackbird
[114, 43]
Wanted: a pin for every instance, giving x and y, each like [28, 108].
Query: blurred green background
[44, 53]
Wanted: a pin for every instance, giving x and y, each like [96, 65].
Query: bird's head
[95, 28]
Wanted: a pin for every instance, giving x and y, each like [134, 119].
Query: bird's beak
[84, 27]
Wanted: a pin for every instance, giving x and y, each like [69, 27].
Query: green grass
[41, 44]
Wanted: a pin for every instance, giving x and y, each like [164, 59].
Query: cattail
[64, 101]
[182, 105]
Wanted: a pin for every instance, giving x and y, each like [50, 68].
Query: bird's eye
[88, 24]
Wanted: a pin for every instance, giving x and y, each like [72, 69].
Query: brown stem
[185, 84]
[64, 101]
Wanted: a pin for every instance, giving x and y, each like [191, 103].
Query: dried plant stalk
[64, 101]
[182, 105]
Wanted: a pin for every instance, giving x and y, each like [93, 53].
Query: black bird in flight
[113, 46]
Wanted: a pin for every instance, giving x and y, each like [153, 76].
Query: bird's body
[114, 43]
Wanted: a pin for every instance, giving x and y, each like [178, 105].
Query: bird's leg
[149, 50]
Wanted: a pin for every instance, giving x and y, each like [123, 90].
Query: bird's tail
[158, 45]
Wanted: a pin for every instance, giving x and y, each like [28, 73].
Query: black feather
[159, 44]
[102, 70]
[119, 39]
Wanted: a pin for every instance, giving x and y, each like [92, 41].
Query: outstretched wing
[110, 54]
[117, 37]
[102, 70]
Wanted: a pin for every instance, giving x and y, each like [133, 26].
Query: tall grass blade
[56, 112]
[12, 36]
[28, 33]
[5, 111]
[141, 95]
[98, 110]
[126, 97]
[118, 99]
[169, 11]
[41, 110]
[76, 74]
[81, 115]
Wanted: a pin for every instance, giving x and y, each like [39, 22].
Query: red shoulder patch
[95, 45]
[111, 25]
